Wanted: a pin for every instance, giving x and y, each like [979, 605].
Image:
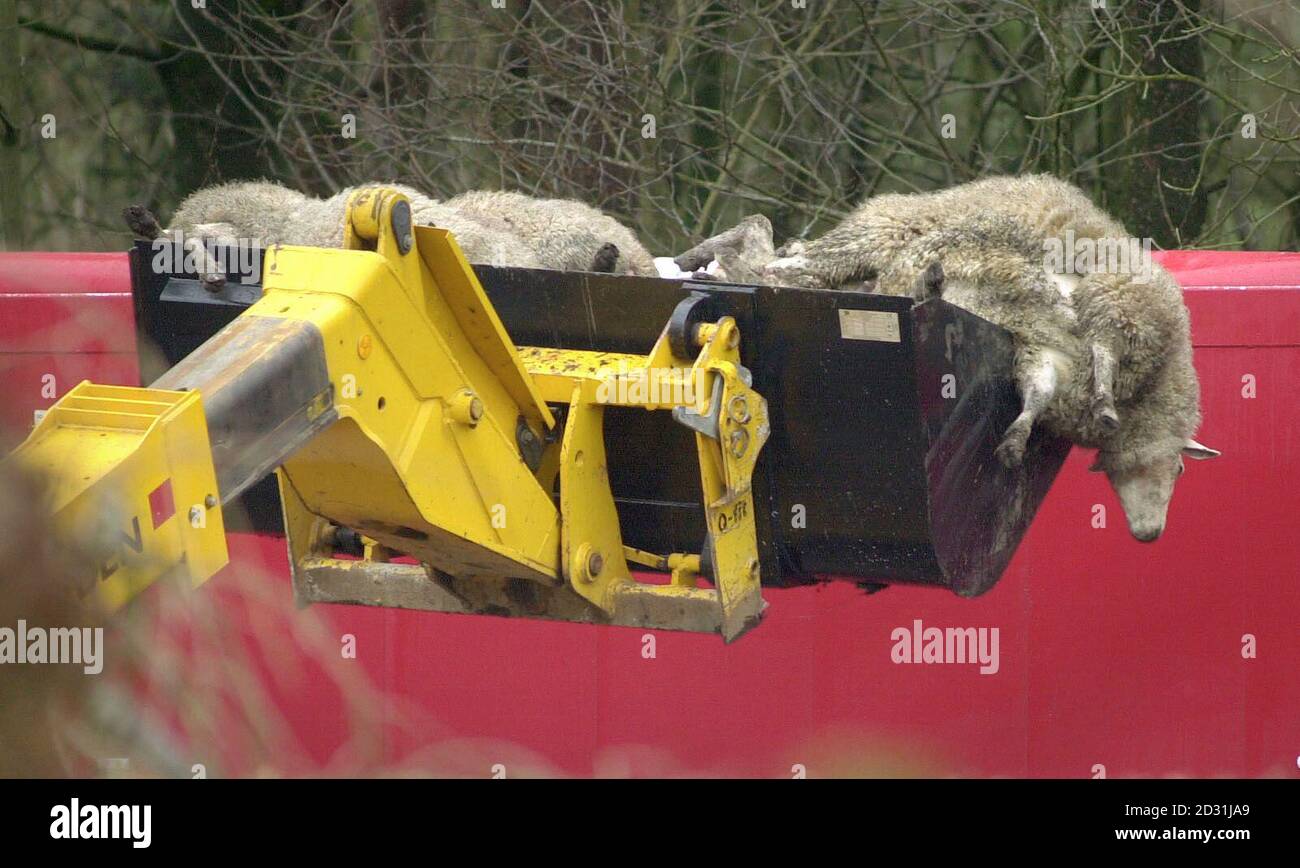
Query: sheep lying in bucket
[992, 266]
[880, 228]
[565, 234]
[1103, 355]
[1128, 306]
[506, 229]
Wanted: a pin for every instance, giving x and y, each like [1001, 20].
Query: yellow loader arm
[380, 383]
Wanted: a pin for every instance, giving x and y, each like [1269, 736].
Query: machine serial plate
[869, 325]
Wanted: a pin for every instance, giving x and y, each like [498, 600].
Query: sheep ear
[1199, 451]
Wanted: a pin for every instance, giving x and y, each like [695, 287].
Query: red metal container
[1114, 657]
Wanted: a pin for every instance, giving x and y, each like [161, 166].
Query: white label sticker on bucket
[869, 325]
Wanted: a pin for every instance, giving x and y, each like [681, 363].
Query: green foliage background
[1182, 116]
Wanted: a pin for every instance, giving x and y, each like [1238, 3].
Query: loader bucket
[884, 413]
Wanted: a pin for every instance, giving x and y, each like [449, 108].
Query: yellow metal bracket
[726, 470]
[132, 485]
[712, 395]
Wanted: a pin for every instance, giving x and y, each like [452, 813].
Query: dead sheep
[744, 254]
[485, 240]
[263, 211]
[990, 265]
[269, 213]
[491, 228]
[567, 235]
[1127, 348]
[1049, 206]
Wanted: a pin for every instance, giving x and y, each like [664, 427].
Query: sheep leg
[145, 225]
[703, 253]
[1037, 386]
[606, 258]
[141, 222]
[730, 268]
[211, 275]
[1103, 383]
[751, 237]
[930, 283]
[796, 270]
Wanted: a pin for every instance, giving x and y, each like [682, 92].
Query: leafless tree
[683, 116]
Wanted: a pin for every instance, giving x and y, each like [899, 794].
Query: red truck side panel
[1112, 653]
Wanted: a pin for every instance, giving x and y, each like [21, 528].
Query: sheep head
[1145, 483]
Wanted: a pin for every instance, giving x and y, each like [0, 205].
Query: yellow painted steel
[410, 338]
[131, 485]
[658, 381]
[444, 448]
[408, 462]
[726, 471]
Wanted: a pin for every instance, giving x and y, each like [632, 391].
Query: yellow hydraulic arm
[380, 382]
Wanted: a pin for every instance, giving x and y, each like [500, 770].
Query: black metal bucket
[885, 415]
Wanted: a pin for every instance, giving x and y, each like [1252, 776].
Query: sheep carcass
[1127, 349]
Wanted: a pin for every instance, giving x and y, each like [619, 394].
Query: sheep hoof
[606, 259]
[693, 260]
[931, 282]
[1011, 451]
[141, 222]
[1103, 413]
